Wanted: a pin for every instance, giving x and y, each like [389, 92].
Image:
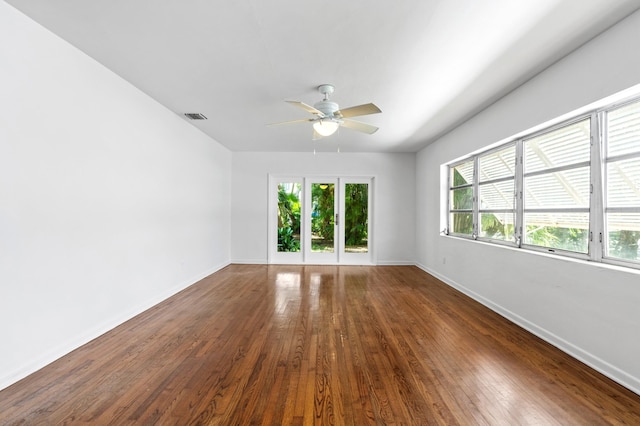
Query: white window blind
[496, 194]
[557, 188]
[622, 177]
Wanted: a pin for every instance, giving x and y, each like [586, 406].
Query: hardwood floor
[256, 344]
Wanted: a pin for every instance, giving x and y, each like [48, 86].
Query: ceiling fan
[329, 117]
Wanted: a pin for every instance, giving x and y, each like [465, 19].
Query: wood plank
[318, 345]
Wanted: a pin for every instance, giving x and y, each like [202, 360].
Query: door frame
[339, 257]
[320, 258]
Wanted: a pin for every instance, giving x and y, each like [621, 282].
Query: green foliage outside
[462, 199]
[571, 239]
[356, 221]
[493, 227]
[287, 241]
[322, 216]
[624, 244]
[289, 218]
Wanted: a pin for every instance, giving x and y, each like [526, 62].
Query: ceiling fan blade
[302, 120]
[355, 111]
[360, 127]
[306, 107]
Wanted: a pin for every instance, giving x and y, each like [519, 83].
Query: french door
[320, 220]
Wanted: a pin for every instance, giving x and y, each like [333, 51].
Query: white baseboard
[266, 262]
[74, 343]
[249, 261]
[396, 263]
[611, 371]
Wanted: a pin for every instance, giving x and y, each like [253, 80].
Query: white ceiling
[428, 64]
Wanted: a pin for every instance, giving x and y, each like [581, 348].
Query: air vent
[195, 116]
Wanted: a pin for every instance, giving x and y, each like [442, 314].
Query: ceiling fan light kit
[326, 127]
[329, 117]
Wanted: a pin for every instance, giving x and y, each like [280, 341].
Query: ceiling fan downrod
[326, 90]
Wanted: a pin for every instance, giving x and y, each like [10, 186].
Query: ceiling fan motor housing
[327, 107]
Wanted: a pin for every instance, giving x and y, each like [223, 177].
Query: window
[622, 177]
[556, 188]
[496, 194]
[461, 198]
[572, 189]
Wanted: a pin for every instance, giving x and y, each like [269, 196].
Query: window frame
[451, 188]
[604, 164]
[477, 182]
[549, 171]
[596, 209]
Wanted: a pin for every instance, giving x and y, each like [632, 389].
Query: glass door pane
[286, 220]
[355, 221]
[323, 217]
[289, 206]
[356, 218]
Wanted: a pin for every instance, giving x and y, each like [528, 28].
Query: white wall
[394, 204]
[109, 203]
[589, 310]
